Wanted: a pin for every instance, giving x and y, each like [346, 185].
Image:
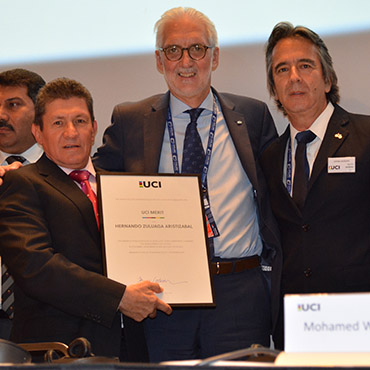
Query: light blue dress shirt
[230, 192]
[32, 155]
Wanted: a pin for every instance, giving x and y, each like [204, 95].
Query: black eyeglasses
[175, 52]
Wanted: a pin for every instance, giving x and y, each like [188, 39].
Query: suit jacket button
[306, 228]
[307, 272]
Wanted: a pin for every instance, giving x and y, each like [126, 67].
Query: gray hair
[175, 14]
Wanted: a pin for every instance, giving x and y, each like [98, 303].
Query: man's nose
[294, 74]
[70, 130]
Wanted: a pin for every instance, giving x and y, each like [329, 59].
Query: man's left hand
[9, 167]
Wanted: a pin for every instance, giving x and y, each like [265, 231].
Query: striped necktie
[7, 282]
[7, 293]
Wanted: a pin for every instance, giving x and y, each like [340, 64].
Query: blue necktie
[193, 156]
[302, 169]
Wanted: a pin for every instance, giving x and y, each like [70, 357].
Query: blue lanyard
[175, 158]
[289, 166]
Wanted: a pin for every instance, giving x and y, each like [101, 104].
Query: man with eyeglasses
[244, 233]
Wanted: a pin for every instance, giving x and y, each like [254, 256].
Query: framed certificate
[153, 228]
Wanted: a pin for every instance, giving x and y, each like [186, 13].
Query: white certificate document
[153, 228]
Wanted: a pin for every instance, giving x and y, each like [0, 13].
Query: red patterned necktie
[82, 177]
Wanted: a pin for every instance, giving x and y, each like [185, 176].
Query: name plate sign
[327, 322]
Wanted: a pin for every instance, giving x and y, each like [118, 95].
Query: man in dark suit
[18, 90]
[323, 215]
[50, 240]
[149, 136]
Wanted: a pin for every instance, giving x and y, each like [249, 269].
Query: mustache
[5, 124]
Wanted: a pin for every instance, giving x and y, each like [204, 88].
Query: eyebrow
[14, 98]
[79, 115]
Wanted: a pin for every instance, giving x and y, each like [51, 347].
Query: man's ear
[37, 133]
[215, 58]
[95, 130]
[159, 61]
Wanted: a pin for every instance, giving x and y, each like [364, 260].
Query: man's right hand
[9, 167]
[139, 301]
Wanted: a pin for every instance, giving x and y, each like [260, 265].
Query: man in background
[18, 91]
[242, 230]
[50, 239]
[318, 171]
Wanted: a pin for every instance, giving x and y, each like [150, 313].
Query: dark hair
[286, 30]
[22, 77]
[61, 88]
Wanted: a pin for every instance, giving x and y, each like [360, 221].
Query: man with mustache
[243, 233]
[18, 90]
[318, 172]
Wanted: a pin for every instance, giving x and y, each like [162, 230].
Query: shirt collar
[32, 154]
[89, 167]
[319, 126]
[178, 107]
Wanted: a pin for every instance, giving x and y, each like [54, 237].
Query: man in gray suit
[150, 136]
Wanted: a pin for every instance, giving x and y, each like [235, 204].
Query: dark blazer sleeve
[110, 155]
[256, 116]
[50, 252]
[133, 141]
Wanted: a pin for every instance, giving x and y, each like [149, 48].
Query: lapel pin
[338, 135]
[239, 122]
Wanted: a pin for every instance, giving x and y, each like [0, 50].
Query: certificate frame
[153, 228]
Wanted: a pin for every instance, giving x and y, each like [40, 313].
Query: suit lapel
[334, 138]
[239, 133]
[279, 158]
[60, 181]
[273, 161]
[154, 128]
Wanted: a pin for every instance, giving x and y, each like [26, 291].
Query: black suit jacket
[133, 143]
[51, 244]
[326, 246]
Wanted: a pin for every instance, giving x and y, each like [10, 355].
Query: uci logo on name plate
[342, 165]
